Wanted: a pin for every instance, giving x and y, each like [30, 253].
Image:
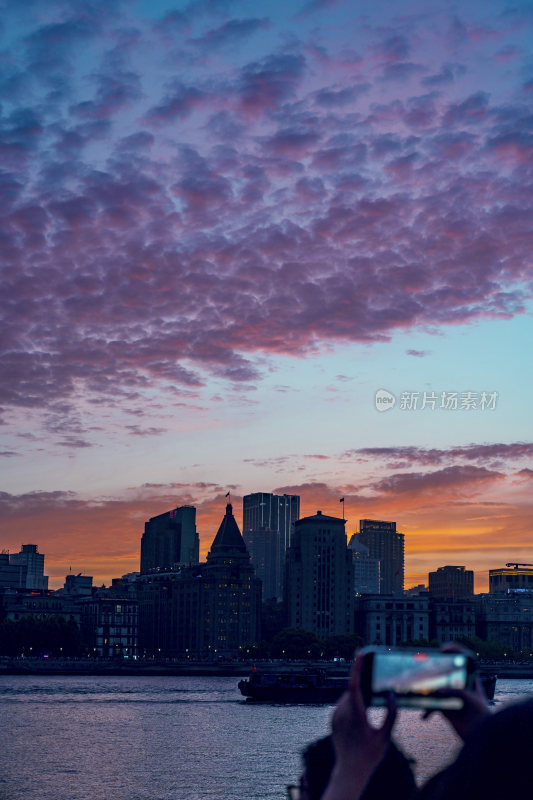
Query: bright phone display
[414, 676]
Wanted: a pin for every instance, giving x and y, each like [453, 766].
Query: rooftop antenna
[343, 514]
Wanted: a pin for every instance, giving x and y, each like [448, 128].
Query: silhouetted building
[78, 585]
[451, 582]
[387, 545]
[159, 624]
[387, 620]
[262, 511]
[319, 577]
[12, 575]
[365, 568]
[109, 625]
[420, 588]
[264, 548]
[169, 539]
[506, 618]
[16, 604]
[513, 576]
[232, 592]
[452, 619]
[33, 561]
[206, 610]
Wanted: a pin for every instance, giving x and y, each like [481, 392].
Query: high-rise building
[265, 512]
[365, 568]
[169, 539]
[319, 577]
[33, 561]
[512, 576]
[264, 548]
[451, 583]
[12, 576]
[387, 545]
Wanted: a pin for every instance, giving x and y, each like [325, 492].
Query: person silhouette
[492, 764]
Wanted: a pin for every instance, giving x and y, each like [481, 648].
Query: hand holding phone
[416, 677]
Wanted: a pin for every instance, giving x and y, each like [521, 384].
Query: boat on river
[309, 685]
[302, 686]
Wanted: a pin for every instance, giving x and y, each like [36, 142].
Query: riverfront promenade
[149, 666]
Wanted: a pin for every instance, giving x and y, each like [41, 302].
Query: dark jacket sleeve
[393, 779]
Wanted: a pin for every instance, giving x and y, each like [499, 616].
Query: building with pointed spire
[232, 592]
[208, 610]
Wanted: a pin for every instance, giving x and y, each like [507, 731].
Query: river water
[173, 738]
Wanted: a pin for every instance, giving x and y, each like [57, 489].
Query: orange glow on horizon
[103, 538]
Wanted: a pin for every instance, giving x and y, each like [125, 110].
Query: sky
[279, 247]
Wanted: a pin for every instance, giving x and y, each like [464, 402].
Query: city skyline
[380, 524]
[287, 248]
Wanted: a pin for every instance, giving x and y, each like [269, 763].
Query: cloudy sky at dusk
[225, 226]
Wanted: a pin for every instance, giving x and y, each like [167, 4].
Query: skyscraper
[170, 538]
[33, 561]
[319, 584]
[387, 545]
[268, 522]
[264, 548]
[365, 568]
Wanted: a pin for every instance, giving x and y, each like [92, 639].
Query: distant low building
[109, 626]
[506, 618]
[391, 620]
[77, 585]
[420, 588]
[451, 583]
[19, 603]
[512, 576]
[452, 619]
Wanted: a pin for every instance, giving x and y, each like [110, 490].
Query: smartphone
[414, 676]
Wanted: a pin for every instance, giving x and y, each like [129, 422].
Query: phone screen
[414, 676]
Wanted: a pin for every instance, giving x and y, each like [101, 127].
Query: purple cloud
[166, 221]
[232, 32]
[461, 477]
[434, 456]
